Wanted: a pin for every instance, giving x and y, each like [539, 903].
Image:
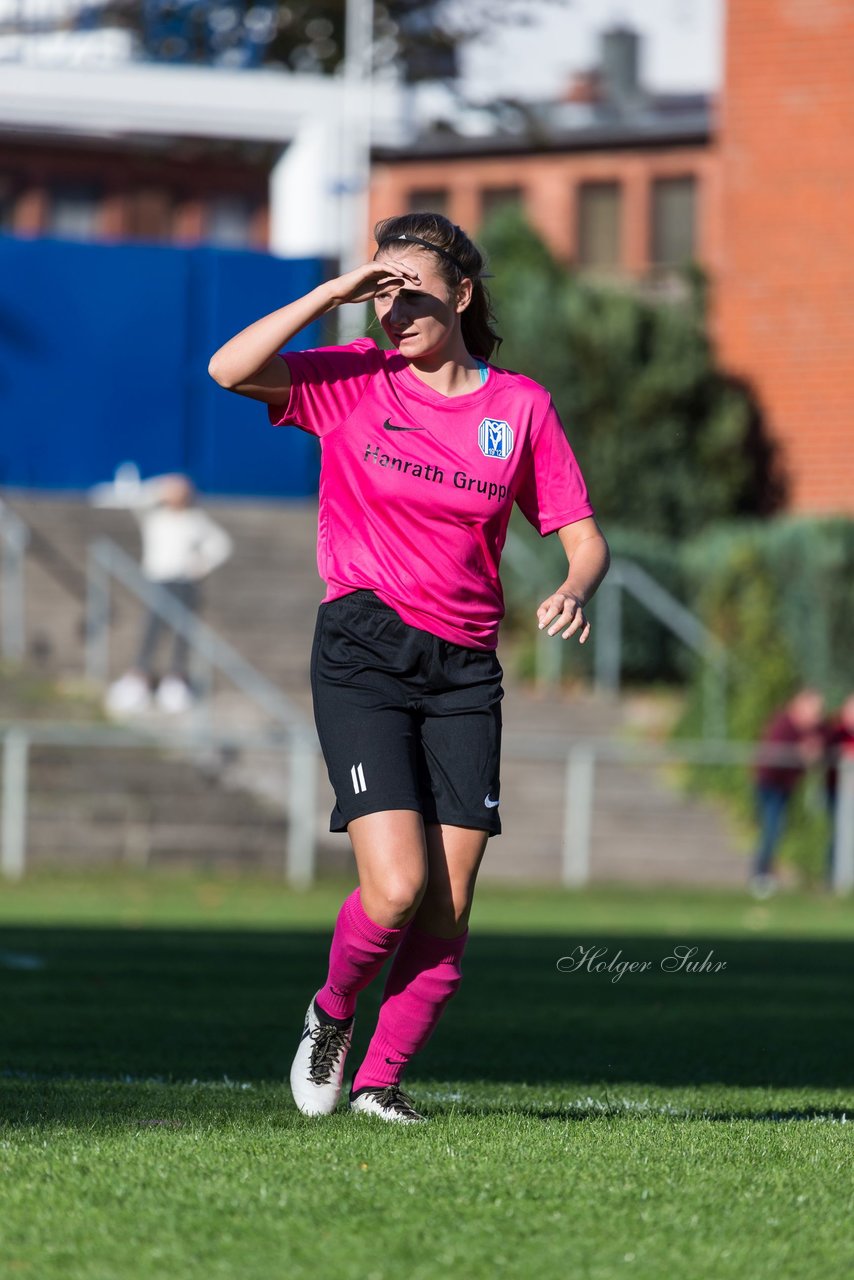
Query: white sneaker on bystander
[128, 695]
[174, 695]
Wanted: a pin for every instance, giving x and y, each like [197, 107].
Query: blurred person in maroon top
[800, 726]
[840, 747]
[840, 742]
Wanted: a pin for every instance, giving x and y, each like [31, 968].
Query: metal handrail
[17, 737]
[681, 621]
[14, 538]
[106, 560]
[579, 758]
[72, 733]
[720, 751]
[626, 575]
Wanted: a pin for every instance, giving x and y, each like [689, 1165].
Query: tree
[419, 37]
[668, 442]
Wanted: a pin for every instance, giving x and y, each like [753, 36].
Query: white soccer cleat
[317, 1071]
[388, 1102]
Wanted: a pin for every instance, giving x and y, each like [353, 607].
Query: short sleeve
[552, 492]
[327, 384]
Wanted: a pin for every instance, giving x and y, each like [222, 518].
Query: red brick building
[619, 204]
[761, 195]
[617, 180]
[189, 192]
[784, 276]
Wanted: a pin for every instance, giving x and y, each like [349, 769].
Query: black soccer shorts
[406, 720]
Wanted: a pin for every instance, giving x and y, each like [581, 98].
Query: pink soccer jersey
[416, 488]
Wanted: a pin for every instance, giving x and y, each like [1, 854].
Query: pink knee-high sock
[425, 974]
[359, 950]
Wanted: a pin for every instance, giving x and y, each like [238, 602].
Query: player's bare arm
[248, 363]
[588, 557]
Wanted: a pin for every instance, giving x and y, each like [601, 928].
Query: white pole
[97, 620]
[13, 840]
[578, 815]
[608, 637]
[843, 829]
[13, 544]
[355, 166]
[304, 219]
[301, 816]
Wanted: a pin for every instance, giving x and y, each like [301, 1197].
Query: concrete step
[151, 805]
[270, 583]
[95, 807]
[137, 853]
[199, 837]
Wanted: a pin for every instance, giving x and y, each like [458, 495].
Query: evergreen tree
[420, 38]
[667, 442]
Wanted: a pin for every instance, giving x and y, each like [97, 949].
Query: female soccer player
[425, 449]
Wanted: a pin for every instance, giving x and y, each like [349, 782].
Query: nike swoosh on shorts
[490, 803]
[389, 426]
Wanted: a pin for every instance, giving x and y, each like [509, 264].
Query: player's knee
[398, 898]
[445, 914]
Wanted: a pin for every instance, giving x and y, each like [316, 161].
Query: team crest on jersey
[495, 438]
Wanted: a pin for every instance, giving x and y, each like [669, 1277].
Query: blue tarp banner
[103, 359]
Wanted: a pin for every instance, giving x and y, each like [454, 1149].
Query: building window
[228, 222]
[599, 215]
[495, 199]
[599, 207]
[673, 221]
[428, 200]
[73, 212]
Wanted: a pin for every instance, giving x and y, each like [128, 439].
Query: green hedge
[668, 441]
[780, 595]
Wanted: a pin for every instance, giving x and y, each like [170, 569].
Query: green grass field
[664, 1124]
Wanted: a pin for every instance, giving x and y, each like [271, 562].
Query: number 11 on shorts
[358, 775]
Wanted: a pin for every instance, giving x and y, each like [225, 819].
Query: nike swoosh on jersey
[389, 426]
[490, 803]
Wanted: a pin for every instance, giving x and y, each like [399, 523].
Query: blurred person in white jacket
[181, 545]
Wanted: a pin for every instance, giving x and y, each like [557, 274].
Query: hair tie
[426, 244]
